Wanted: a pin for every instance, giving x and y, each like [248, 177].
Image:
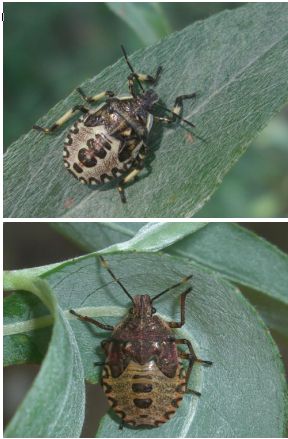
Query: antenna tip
[104, 263]
[186, 278]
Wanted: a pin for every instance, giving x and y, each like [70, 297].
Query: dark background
[35, 244]
[50, 48]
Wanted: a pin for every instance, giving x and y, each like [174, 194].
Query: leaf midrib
[47, 320]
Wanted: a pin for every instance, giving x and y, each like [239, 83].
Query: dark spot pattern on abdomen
[141, 387]
[142, 395]
[142, 403]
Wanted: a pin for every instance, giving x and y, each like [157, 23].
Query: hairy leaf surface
[232, 251]
[221, 324]
[237, 63]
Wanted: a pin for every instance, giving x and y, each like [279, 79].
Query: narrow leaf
[156, 236]
[237, 63]
[95, 236]
[146, 19]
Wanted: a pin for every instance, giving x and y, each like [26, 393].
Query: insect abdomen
[143, 395]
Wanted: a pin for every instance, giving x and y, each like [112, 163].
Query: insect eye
[153, 310]
[131, 311]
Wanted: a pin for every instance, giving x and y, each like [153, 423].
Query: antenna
[130, 67]
[183, 281]
[140, 85]
[105, 265]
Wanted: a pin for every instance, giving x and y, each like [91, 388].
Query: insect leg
[162, 119]
[149, 78]
[95, 98]
[62, 119]
[121, 425]
[182, 310]
[90, 320]
[136, 168]
[192, 359]
[122, 193]
[193, 391]
[138, 77]
[142, 77]
[99, 363]
[176, 111]
[191, 356]
[137, 126]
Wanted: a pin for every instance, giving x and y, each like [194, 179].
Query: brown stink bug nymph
[144, 376]
[109, 142]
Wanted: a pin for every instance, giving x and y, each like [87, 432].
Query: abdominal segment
[143, 395]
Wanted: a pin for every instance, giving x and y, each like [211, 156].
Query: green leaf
[54, 406]
[149, 237]
[221, 324]
[21, 307]
[230, 250]
[244, 258]
[146, 19]
[237, 63]
[156, 236]
[95, 236]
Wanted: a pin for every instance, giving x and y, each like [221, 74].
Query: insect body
[104, 145]
[144, 376]
[109, 142]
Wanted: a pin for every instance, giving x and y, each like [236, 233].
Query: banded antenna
[140, 85]
[131, 68]
[105, 264]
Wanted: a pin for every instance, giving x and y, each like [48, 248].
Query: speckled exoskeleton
[143, 376]
[109, 142]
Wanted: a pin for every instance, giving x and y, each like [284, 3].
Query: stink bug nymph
[109, 142]
[143, 375]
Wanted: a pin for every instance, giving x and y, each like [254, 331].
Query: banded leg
[138, 127]
[95, 98]
[182, 310]
[137, 167]
[62, 119]
[192, 357]
[176, 111]
[93, 321]
[138, 77]
[142, 77]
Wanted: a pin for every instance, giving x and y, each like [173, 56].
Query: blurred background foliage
[50, 48]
